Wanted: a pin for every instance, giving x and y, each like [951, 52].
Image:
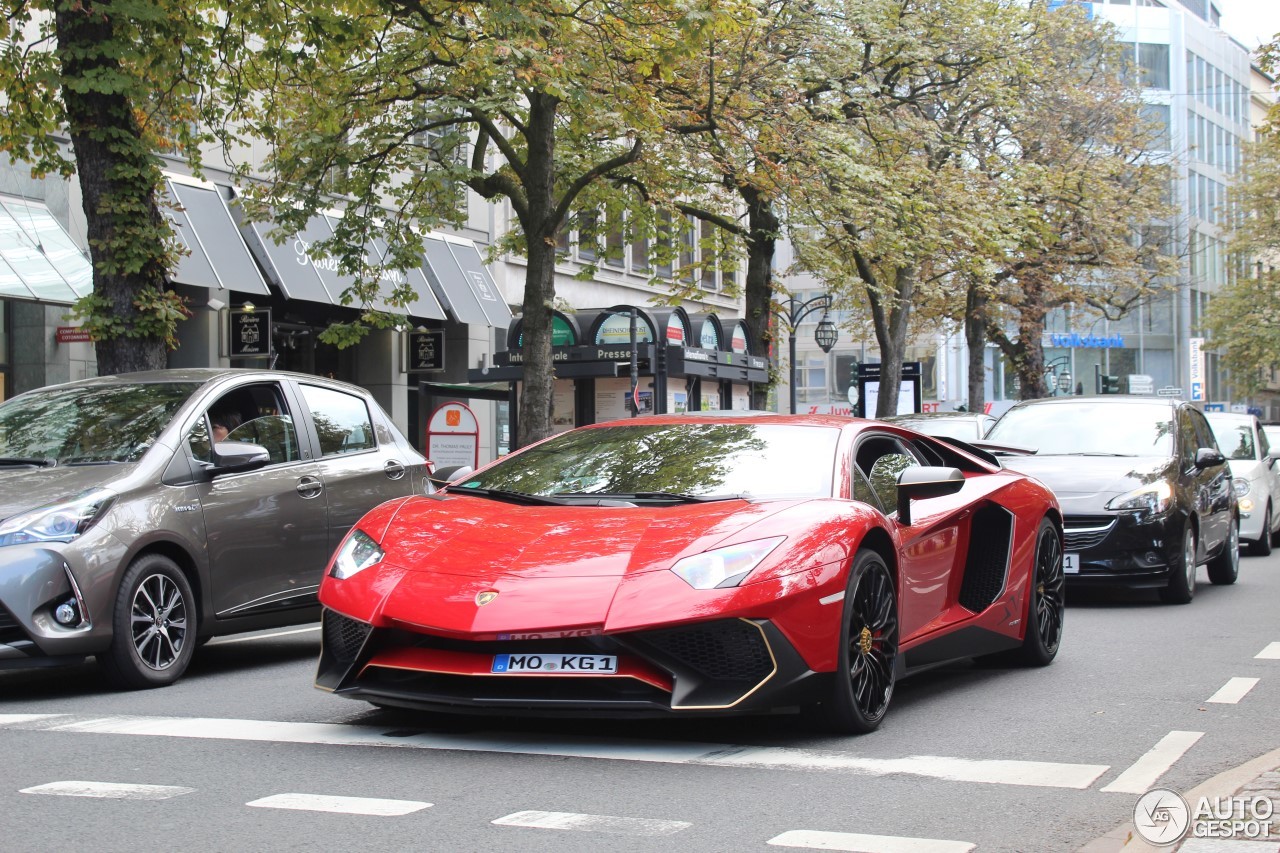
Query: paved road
[245, 755]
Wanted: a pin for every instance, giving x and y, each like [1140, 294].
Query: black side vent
[987, 563]
[343, 637]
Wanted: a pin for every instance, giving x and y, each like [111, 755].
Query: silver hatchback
[144, 513]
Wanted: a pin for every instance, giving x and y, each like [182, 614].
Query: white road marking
[221, 641]
[108, 790]
[593, 823]
[1227, 845]
[999, 772]
[1271, 652]
[850, 841]
[1233, 691]
[340, 805]
[1142, 775]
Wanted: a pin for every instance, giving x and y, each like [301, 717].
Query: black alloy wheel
[1047, 603]
[1225, 568]
[866, 670]
[153, 626]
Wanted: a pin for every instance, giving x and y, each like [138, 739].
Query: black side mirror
[1207, 457]
[235, 456]
[925, 482]
[450, 474]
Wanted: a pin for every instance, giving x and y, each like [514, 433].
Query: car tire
[1262, 547]
[866, 670]
[1182, 571]
[153, 626]
[1225, 568]
[1046, 600]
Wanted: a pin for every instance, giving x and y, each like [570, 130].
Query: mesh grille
[10, 630]
[343, 637]
[1084, 532]
[984, 572]
[722, 651]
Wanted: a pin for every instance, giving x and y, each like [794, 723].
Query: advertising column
[1196, 374]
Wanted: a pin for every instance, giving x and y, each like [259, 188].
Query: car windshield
[89, 424]
[697, 460]
[1105, 429]
[1235, 438]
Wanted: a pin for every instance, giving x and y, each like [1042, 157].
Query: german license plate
[1071, 564]
[554, 664]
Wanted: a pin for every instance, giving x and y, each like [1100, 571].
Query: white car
[1255, 477]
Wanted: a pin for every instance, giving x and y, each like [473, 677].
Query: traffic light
[846, 373]
[1110, 384]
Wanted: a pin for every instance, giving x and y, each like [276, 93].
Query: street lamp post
[1055, 381]
[826, 334]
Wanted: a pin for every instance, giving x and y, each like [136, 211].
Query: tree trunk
[975, 324]
[762, 238]
[891, 335]
[117, 180]
[536, 399]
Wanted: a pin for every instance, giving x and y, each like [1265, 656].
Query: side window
[1264, 446]
[254, 414]
[1204, 433]
[342, 420]
[1188, 441]
[862, 490]
[882, 459]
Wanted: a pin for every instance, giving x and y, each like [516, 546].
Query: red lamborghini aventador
[696, 564]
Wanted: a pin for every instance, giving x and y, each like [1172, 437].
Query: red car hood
[555, 569]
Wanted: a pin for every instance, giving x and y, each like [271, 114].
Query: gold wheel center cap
[864, 641]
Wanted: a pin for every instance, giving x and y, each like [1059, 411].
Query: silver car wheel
[158, 621]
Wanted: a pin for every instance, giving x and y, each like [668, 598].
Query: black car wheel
[1046, 604]
[1262, 547]
[1182, 571]
[153, 626]
[868, 648]
[1225, 568]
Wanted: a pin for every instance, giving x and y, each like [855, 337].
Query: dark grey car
[128, 534]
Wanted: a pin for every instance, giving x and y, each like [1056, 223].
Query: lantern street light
[1058, 382]
[826, 335]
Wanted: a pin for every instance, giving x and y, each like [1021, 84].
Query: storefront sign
[72, 335]
[453, 436]
[425, 351]
[1196, 373]
[1087, 341]
[251, 333]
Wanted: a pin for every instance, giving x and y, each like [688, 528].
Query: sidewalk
[1257, 778]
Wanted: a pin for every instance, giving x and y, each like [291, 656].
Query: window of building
[708, 240]
[1153, 59]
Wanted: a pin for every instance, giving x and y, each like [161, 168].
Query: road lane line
[1233, 691]
[855, 843]
[340, 805]
[108, 790]
[593, 823]
[228, 641]
[1142, 775]
[1271, 652]
[992, 771]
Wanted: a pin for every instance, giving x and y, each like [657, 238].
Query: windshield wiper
[39, 462]
[675, 496]
[502, 495]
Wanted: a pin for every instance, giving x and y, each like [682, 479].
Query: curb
[1225, 784]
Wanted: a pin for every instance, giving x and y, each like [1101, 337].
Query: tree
[122, 79]
[397, 105]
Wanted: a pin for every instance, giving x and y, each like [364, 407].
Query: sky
[1251, 22]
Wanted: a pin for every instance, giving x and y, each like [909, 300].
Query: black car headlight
[1151, 499]
[357, 553]
[58, 522]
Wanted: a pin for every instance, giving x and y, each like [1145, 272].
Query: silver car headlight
[1152, 499]
[358, 552]
[1240, 486]
[724, 567]
[58, 522]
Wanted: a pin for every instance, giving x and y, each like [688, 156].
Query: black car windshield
[1075, 428]
[89, 424]
[1235, 437]
[694, 459]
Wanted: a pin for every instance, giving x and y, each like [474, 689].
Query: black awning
[481, 283]
[450, 284]
[218, 257]
[287, 263]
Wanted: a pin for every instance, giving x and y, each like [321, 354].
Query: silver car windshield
[1235, 438]
[1112, 429]
[701, 460]
[89, 424]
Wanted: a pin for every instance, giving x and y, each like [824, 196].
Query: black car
[966, 426]
[1145, 492]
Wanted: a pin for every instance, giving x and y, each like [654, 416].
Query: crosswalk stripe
[108, 790]
[1271, 652]
[340, 805]
[855, 843]
[1233, 691]
[992, 771]
[1143, 773]
[593, 823]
